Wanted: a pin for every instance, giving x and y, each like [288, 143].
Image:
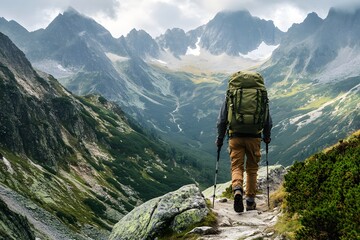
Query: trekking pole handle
[267, 148]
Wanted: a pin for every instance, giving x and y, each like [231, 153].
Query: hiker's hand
[219, 142]
[267, 140]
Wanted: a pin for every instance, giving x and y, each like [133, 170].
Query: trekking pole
[267, 175]
[216, 172]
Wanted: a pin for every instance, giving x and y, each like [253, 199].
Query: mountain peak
[12, 58]
[312, 19]
[71, 10]
[233, 15]
[312, 16]
[299, 31]
[141, 43]
[134, 31]
[235, 32]
[175, 40]
[243, 12]
[71, 15]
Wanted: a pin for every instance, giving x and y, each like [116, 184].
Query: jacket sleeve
[222, 120]
[267, 127]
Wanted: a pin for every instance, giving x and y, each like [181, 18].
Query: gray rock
[225, 222]
[204, 230]
[176, 211]
[13, 225]
[276, 177]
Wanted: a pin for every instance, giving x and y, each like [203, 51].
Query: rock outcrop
[175, 211]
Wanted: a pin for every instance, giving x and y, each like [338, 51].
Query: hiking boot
[238, 201]
[250, 205]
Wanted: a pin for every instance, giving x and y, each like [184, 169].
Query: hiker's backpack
[247, 103]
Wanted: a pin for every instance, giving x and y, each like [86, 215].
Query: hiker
[244, 134]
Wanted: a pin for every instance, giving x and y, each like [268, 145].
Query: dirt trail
[255, 224]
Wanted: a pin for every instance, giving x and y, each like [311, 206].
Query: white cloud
[283, 16]
[37, 14]
[155, 16]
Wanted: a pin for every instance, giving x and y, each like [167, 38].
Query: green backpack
[247, 101]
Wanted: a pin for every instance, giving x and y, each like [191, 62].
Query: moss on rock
[175, 211]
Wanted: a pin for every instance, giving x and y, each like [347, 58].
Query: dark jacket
[222, 125]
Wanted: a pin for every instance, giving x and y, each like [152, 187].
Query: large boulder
[175, 211]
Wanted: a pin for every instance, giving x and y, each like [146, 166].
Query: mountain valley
[79, 158]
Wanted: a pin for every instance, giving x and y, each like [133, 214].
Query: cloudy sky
[155, 16]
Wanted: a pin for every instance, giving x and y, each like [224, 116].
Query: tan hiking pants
[240, 147]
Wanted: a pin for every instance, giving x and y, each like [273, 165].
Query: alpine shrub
[325, 191]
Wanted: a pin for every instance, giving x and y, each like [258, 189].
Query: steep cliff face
[27, 126]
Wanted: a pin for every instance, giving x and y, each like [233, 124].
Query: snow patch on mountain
[307, 118]
[355, 91]
[116, 58]
[8, 166]
[311, 116]
[194, 51]
[157, 61]
[262, 52]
